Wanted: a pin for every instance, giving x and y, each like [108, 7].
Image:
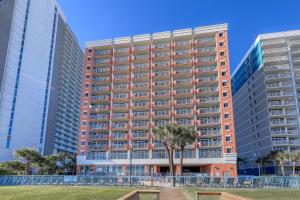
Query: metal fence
[161, 181]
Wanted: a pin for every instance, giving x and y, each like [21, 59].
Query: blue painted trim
[13, 108]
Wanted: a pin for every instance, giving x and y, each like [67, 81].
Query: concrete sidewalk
[171, 194]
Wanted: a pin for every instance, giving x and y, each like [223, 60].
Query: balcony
[183, 63]
[296, 60]
[208, 80]
[98, 147]
[122, 60]
[206, 61]
[281, 103]
[122, 51]
[209, 111]
[284, 143]
[272, 77]
[273, 42]
[280, 85]
[276, 68]
[141, 58]
[102, 52]
[284, 122]
[182, 44]
[118, 136]
[139, 146]
[210, 144]
[209, 122]
[161, 55]
[210, 133]
[203, 91]
[179, 54]
[161, 46]
[116, 146]
[206, 51]
[282, 113]
[276, 60]
[141, 48]
[205, 41]
[284, 133]
[207, 70]
[206, 101]
[139, 135]
[275, 50]
[96, 137]
[280, 95]
[295, 43]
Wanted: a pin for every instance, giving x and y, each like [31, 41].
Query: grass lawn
[62, 193]
[257, 194]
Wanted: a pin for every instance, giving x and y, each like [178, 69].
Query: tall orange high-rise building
[132, 84]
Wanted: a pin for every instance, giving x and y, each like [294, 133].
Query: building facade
[265, 88]
[40, 78]
[133, 84]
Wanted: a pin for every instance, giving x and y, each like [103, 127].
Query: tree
[166, 134]
[281, 157]
[294, 157]
[184, 135]
[66, 164]
[30, 157]
[12, 168]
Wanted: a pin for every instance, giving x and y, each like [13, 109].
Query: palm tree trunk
[181, 160]
[294, 168]
[282, 168]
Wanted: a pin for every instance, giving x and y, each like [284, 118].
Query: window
[223, 73]
[87, 85]
[82, 142]
[221, 44]
[226, 115]
[83, 132]
[221, 34]
[86, 94]
[89, 58]
[85, 113]
[90, 50]
[224, 94]
[228, 150]
[228, 138]
[84, 123]
[88, 67]
[223, 63]
[226, 105]
[87, 77]
[224, 83]
[227, 127]
[222, 53]
[85, 104]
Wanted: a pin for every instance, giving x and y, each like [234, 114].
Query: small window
[223, 73]
[228, 150]
[221, 34]
[228, 138]
[88, 67]
[225, 94]
[224, 83]
[84, 123]
[87, 85]
[221, 44]
[86, 94]
[89, 58]
[223, 63]
[87, 77]
[226, 115]
[227, 127]
[82, 153]
[85, 113]
[83, 132]
[90, 50]
[222, 53]
[226, 105]
[82, 142]
[85, 104]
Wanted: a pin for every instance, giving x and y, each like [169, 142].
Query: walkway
[171, 194]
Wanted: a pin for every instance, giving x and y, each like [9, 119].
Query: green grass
[62, 193]
[257, 194]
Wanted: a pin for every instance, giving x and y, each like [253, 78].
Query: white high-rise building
[40, 78]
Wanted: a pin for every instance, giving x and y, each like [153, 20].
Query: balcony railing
[274, 50]
[277, 67]
[285, 132]
[277, 58]
[274, 41]
[283, 142]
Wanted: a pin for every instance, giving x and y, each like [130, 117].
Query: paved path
[171, 194]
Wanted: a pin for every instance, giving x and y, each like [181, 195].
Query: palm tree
[281, 157]
[294, 157]
[12, 168]
[31, 157]
[184, 135]
[259, 162]
[166, 134]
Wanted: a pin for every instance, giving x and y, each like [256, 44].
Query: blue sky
[102, 19]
